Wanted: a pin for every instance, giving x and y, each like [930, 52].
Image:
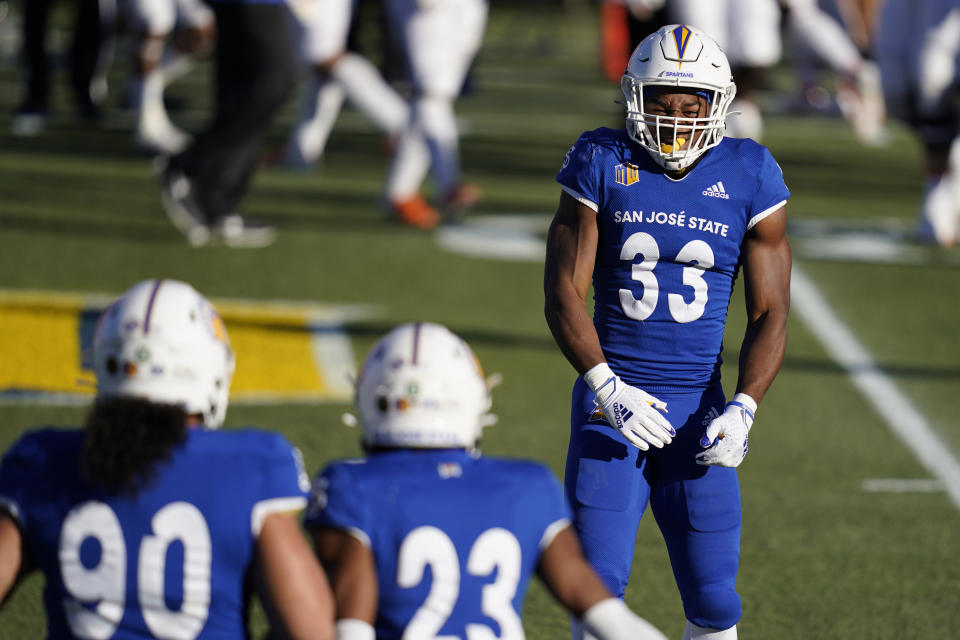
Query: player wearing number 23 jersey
[426, 538]
[148, 522]
[661, 218]
[455, 515]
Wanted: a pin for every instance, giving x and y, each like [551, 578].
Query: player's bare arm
[569, 577]
[766, 268]
[571, 250]
[352, 572]
[298, 591]
[11, 554]
[766, 275]
[572, 581]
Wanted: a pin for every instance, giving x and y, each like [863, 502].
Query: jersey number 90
[104, 584]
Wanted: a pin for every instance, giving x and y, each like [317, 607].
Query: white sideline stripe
[902, 485]
[900, 414]
[333, 352]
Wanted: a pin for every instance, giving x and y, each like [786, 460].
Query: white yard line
[895, 408]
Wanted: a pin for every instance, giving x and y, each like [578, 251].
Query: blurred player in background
[918, 48]
[623, 24]
[858, 90]
[859, 19]
[749, 33]
[167, 34]
[86, 60]
[149, 522]
[426, 538]
[661, 218]
[336, 74]
[203, 185]
[439, 41]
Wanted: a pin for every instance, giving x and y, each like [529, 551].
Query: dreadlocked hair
[124, 441]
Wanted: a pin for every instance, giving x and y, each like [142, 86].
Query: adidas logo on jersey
[716, 191]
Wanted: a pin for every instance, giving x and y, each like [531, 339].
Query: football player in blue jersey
[425, 538]
[149, 522]
[660, 218]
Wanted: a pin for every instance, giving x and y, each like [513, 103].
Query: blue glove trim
[742, 406]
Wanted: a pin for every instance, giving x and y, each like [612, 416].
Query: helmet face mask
[164, 342]
[421, 387]
[677, 59]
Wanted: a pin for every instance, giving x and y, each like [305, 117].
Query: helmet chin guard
[677, 58]
[164, 342]
[422, 387]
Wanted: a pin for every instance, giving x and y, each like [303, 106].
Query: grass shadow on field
[901, 371]
[474, 337]
[82, 140]
[86, 228]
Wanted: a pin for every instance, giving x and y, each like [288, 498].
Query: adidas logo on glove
[621, 414]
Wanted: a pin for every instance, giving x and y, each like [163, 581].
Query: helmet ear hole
[383, 404]
[112, 366]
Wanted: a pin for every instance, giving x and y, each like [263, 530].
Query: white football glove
[631, 411]
[725, 439]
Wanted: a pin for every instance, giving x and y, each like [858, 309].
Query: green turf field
[823, 557]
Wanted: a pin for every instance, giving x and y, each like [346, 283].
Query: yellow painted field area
[285, 351]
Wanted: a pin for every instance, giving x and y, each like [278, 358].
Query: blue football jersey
[669, 250]
[455, 537]
[169, 563]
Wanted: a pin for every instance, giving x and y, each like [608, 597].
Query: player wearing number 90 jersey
[425, 538]
[149, 522]
[111, 560]
[661, 218]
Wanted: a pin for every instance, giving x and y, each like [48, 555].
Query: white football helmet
[421, 386]
[684, 57]
[164, 342]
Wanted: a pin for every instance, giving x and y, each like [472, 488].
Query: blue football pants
[609, 483]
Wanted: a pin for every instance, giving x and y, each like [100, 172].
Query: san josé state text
[672, 219]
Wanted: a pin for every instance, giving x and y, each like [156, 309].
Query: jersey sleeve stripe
[275, 505]
[360, 535]
[580, 198]
[551, 532]
[11, 507]
[763, 214]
